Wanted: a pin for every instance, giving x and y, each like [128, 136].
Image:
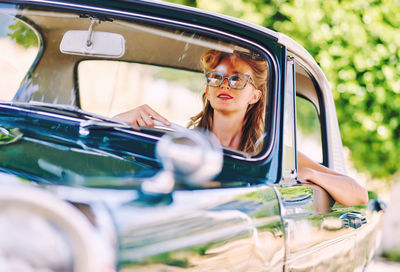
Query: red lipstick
[224, 96]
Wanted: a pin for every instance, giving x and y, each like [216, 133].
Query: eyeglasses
[236, 81]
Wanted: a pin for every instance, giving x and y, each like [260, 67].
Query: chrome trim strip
[282, 213]
[137, 133]
[40, 112]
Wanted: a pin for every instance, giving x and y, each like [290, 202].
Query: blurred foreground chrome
[39, 232]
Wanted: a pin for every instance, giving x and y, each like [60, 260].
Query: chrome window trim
[274, 65]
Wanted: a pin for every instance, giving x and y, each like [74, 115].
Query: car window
[19, 45]
[308, 129]
[174, 93]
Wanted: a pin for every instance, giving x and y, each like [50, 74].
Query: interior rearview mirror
[93, 43]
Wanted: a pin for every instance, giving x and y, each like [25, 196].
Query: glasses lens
[238, 81]
[214, 79]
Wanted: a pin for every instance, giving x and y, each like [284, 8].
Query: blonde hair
[253, 123]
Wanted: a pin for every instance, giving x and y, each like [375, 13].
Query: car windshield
[106, 65]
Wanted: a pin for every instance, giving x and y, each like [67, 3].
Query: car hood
[51, 150]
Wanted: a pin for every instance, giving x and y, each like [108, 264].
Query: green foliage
[23, 35]
[357, 45]
[168, 258]
[392, 255]
[307, 117]
[372, 195]
[191, 3]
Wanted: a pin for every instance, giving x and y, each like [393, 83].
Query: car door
[220, 229]
[321, 235]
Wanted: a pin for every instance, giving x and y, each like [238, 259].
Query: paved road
[390, 232]
[380, 265]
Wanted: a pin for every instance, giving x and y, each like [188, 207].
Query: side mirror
[194, 157]
[188, 157]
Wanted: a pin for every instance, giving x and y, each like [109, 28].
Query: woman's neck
[228, 128]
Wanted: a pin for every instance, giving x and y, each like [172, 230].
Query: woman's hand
[142, 116]
[305, 174]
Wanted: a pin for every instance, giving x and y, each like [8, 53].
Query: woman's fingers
[139, 122]
[156, 116]
[142, 116]
[303, 181]
[147, 120]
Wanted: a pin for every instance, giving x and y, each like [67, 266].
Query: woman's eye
[236, 78]
[213, 80]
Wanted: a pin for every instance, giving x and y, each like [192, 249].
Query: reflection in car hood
[199, 224]
[8, 136]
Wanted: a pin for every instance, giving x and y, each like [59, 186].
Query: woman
[234, 103]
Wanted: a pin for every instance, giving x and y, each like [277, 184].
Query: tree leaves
[22, 34]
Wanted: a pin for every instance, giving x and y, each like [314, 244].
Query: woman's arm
[142, 116]
[342, 188]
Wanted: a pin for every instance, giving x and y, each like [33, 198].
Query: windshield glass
[109, 66]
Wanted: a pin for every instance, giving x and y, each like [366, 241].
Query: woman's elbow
[360, 194]
[359, 198]
[363, 196]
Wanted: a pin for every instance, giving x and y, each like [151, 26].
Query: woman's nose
[225, 83]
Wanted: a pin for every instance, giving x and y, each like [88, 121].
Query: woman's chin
[229, 109]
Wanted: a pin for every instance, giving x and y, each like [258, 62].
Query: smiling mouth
[224, 96]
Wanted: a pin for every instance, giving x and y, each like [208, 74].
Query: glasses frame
[229, 77]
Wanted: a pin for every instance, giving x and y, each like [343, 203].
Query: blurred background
[357, 45]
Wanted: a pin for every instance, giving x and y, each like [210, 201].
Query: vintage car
[80, 191]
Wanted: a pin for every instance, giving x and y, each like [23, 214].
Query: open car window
[309, 129]
[107, 66]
